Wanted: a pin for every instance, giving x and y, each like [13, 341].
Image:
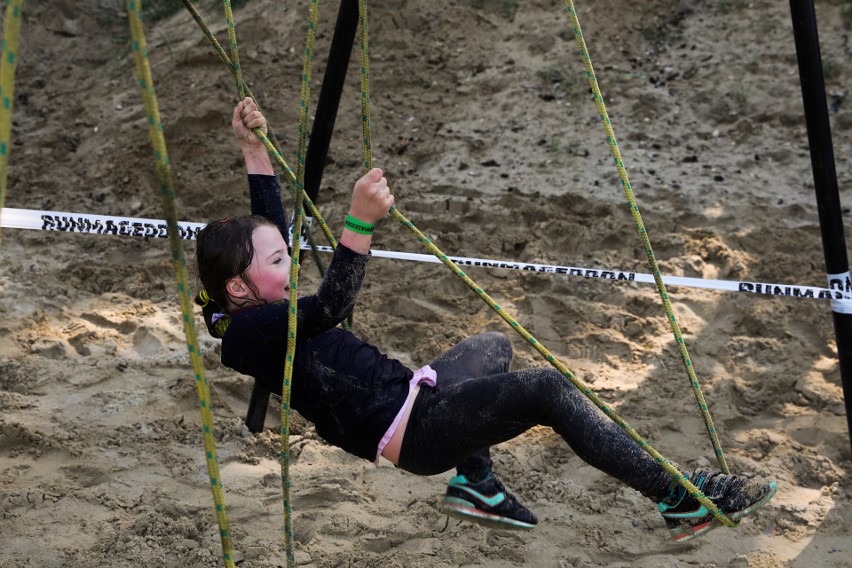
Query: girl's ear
[236, 287]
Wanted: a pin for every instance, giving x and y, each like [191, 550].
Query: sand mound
[484, 125]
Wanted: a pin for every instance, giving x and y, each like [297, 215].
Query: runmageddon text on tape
[839, 290]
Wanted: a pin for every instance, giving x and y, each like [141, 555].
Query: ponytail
[212, 313]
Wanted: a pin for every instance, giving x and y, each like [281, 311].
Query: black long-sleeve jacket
[346, 387]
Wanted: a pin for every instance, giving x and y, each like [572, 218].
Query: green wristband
[358, 226]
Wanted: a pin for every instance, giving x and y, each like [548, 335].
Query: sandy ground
[485, 127]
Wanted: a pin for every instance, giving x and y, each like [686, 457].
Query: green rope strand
[305, 95]
[226, 60]
[630, 431]
[11, 34]
[155, 131]
[299, 215]
[301, 150]
[309, 205]
[297, 182]
[268, 139]
[366, 120]
[235, 54]
[645, 445]
[270, 134]
[292, 323]
[284, 453]
[643, 236]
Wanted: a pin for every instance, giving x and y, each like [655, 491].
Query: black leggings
[478, 403]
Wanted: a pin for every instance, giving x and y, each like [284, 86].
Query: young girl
[427, 421]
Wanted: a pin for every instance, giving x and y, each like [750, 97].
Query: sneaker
[735, 496]
[487, 503]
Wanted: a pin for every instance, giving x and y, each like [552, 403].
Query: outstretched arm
[264, 187]
[335, 298]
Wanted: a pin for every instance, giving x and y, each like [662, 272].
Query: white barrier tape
[92, 224]
[841, 283]
[838, 291]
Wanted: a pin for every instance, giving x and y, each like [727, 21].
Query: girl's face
[270, 268]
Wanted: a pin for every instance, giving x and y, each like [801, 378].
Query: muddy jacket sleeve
[265, 194]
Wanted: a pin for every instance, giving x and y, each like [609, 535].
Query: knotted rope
[643, 236]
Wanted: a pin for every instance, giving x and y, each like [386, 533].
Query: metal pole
[329, 98]
[258, 404]
[825, 185]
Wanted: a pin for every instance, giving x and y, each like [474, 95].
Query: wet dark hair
[224, 250]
